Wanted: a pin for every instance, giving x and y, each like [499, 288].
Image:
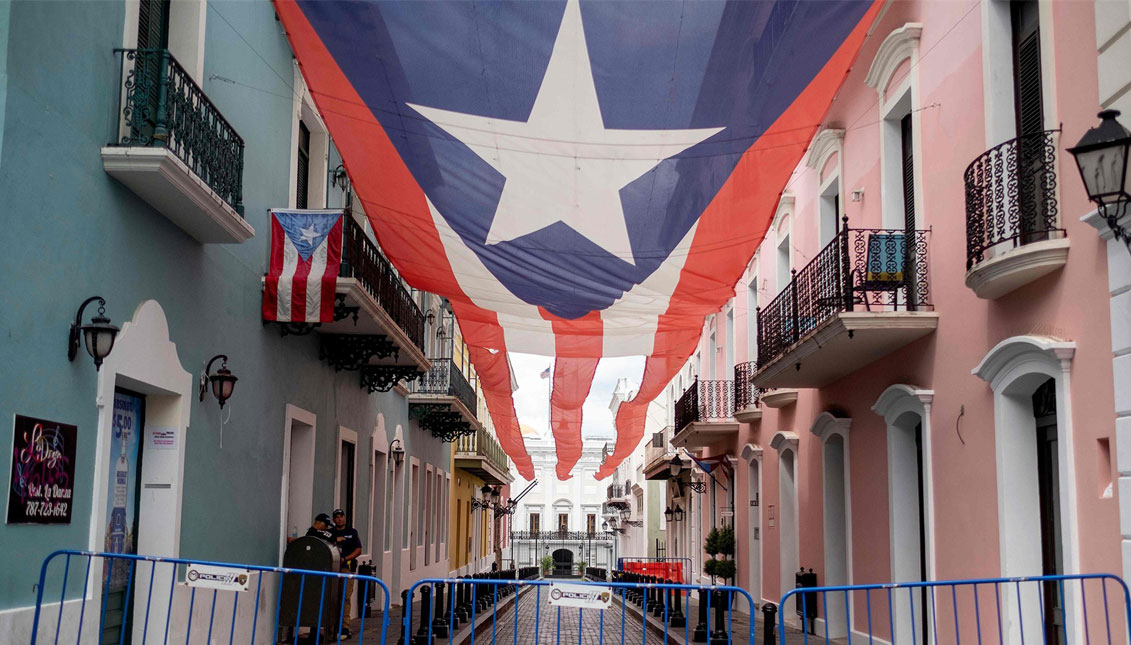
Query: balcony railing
[1011, 196]
[705, 401]
[164, 108]
[483, 445]
[446, 378]
[363, 261]
[745, 393]
[561, 535]
[615, 491]
[869, 269]
[658, 446]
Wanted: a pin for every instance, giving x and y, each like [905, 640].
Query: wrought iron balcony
[745, 393]
[363, 261]
[445, 378]
[1012, 232]
[860, 278]
[163, 107]
[705, 401]
[1011, 196]
[481, 455]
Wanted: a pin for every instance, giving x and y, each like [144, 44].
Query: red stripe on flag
[714, 257]
[578, 346]
[271, 283]
[329, 281]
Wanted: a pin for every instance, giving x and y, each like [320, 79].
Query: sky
[531, 400]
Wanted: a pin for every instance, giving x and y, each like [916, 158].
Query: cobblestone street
[536, 616]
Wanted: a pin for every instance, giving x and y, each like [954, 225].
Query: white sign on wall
[223, 578]
[564, 594]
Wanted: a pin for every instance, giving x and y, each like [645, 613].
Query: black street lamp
[98, 335]
[1102, 158]
[677, 514]
[676, 465]
[668, 513]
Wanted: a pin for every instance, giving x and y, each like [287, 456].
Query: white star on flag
[308, 234]
[562, 164]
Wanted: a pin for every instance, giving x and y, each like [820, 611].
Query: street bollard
[450, 611]
[440, 620]
[676, 617]
[462, 606]
[769, 612]
[406, 610]
[721, 604]
[421, 637]
[700, 635]
[661, 598]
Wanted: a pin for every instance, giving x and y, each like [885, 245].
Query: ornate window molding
[900, 45]
[826, 425]
[784, 441]
[827, 142]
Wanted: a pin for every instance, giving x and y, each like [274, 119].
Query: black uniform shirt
[325, 534]
[350, 543]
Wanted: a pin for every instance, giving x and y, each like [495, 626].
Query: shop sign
[43, 472]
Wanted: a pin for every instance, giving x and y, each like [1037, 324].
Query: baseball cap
[324, 518]
[338, 511]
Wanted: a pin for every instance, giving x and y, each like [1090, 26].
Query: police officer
[320, 529]
[349, 544]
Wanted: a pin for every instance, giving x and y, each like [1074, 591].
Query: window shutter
[1027, 67]
[908, 173]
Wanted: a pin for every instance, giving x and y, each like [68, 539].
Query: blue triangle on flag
[307, 230]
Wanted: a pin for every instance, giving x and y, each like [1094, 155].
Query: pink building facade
[914, 380]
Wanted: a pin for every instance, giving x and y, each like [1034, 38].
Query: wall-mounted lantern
[98, 336]
[222, 382]
[397, 449]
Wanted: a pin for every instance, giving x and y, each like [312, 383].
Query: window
[830, 212]
[1027, 95]
[712, 349]
[752, 319]
[535, 523]
[390, 478]
[784, 264]
[302, 176]
[591, 523]
[729, 340]
[563, 521]
[346, 479]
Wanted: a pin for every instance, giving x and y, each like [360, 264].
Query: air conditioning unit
[657, 440]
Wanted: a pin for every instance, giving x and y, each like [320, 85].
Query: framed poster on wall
[40, 486]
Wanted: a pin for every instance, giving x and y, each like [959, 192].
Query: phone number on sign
[46, 509]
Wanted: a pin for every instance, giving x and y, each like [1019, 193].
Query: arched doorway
[832, 432]
[753, 455]
[788, 545]
[1036, 479]
[906, 410]
[563, 563]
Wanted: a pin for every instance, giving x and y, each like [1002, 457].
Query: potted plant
[720, 546]
[581, 566]
[547, 565]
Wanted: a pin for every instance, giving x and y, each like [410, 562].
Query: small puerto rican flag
[306, 255]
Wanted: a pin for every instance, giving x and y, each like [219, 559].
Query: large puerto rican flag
[580, 179]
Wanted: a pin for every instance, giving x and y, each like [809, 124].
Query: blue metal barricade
[516, 611]
[120, 598]
[1085, 609]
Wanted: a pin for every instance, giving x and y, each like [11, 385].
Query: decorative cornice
[751, 452]
[826, 424]
[827, 141]
[892, 401]
[899, 44]
[1013, 350]
[784, 441]
[785, 205]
